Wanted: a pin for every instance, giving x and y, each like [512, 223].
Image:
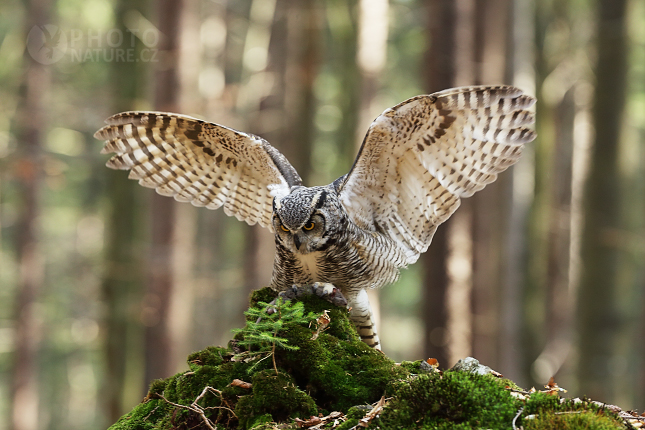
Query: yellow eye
[309, 226]
[284, 228]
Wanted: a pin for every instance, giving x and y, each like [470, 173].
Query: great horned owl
[416, 162]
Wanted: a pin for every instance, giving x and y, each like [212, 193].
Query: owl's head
[302, 220]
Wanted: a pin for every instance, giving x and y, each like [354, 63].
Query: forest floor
[304, 366]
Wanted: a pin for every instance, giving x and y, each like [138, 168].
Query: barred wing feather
[422, 156]
[199, 162]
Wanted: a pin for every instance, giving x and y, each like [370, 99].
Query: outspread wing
[421, 156]
[199, 162]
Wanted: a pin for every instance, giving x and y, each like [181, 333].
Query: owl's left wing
[199, 162]
[421, 156]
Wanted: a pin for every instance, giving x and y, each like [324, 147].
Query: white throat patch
[309, 263]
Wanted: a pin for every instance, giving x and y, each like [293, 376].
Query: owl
[417, 160]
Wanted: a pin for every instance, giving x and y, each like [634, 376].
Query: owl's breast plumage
[351, 263]
[309, 265]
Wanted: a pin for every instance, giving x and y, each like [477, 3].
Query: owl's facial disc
[308, 238]
[297, 221]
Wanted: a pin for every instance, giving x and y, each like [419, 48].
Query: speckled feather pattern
[418, 159]
[199, 162]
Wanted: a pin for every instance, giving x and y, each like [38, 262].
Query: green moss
[413, 367]
[262, 295]
[276, 396]
[142, 417]
[452, 398]
[334, 372]
[353, 416]
[337, 372]
[263, 422]
[157, 387]
[211, 356]
[544, 411]
[573, 421]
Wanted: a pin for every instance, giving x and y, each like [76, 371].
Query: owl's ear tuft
[320, 199]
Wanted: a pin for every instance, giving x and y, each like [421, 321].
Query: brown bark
[598, 317]
[160, 277]
[259, 242]
[29, 126]
[490, 207]
[519, 59]
[345, 50]
[439, 74]
[123, 275]
[303, 50]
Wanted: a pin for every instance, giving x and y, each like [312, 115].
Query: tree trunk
[304, 23]
[520, 67]
[258, 255]
[160, 277]
[30, 125]
[598, 316]
[490, 207]
[123, 278]
[345, 46]
[439, 74]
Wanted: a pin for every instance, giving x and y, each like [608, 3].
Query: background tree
[599, 315]
[440, 73]
[124, 273]
[161, 279]
[29, 125]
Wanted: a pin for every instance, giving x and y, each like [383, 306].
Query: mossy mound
[453, 397]
[337, 372]
[546, 411]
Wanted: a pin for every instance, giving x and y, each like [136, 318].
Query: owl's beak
[296, 240]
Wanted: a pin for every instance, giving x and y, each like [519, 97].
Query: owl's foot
[323, 290]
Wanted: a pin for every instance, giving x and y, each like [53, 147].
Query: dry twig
[198, 409]
[316, 423]
[516, 417]
[365, 421]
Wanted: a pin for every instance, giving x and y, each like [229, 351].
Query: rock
[472, 365]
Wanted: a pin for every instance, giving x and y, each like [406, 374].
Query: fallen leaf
[308, 423]
[552, 387]
[241, 384]
[321, 324]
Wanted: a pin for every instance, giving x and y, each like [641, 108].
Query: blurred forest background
[105, 285]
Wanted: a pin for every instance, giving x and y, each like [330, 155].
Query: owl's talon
[327, 291]
[290, 293]
[324, 290]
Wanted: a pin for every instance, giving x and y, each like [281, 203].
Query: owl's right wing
[199, 162]
[421, 156]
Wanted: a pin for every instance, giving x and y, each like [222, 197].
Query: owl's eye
[284, 228]
[309, 226]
